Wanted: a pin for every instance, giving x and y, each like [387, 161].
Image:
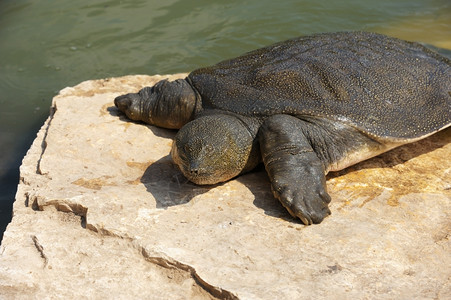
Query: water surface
[48, 45]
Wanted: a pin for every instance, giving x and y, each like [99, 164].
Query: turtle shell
[386, 87]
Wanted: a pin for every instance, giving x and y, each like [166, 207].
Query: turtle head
[214, 148]
[168, 104]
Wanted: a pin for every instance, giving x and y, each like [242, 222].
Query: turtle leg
[296, 173]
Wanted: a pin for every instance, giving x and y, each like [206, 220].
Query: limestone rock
[101, 211]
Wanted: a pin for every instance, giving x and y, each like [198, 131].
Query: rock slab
[101, 211]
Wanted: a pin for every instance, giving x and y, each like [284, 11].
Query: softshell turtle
[304, 107]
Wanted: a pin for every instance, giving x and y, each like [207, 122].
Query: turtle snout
[123, 102]
[198, 173]
[129, 104]
[195, 172]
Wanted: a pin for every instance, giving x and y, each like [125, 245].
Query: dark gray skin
[303, 107]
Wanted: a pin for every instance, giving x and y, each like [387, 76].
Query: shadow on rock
[258, 184]
[168, 185]
[115, 112]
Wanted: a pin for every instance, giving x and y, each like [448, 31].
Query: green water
[48, 45]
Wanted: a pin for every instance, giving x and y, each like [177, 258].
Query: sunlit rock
[101, 211]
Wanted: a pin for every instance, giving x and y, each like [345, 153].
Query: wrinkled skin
[303, 107]
[166, 104]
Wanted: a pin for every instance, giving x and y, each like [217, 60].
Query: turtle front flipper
[296, 173]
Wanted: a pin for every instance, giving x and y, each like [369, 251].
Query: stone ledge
[101, 211]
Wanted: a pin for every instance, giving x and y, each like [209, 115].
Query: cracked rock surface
[102, 212]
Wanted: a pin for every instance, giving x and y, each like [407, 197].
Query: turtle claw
[309, 205]
[301, 214]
